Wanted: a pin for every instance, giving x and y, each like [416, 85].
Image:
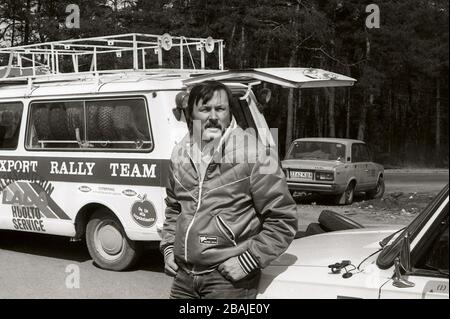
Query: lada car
[333, 166]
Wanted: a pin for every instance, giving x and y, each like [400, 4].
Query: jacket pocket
[225, 230]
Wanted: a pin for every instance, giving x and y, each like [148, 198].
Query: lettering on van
[31, 204]
[27, 218]
[135, 170]
[107, 170]
[23, 166]
[71, 168]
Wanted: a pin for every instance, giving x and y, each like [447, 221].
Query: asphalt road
[419, 181]
[42, 266]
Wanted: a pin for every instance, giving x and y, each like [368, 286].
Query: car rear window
[313, 150]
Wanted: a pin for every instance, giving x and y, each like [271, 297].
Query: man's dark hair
[205, 91]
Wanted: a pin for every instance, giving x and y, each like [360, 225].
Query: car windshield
[327, 151]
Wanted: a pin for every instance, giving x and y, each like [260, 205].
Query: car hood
[302, 271]
[328, 248]
[310, 164]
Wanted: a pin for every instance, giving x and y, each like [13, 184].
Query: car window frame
[90, 150]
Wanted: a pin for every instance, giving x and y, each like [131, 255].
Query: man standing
[228, 214]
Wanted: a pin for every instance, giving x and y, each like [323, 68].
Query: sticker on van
[143, 212]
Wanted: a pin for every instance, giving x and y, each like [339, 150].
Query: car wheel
[108, 244]
[346, 198]
[378, 191]
[332, 221]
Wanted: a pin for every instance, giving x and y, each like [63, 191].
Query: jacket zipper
[199, 197]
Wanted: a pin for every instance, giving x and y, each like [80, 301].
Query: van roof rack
[110, 54]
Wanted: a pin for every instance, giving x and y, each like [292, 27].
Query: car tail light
[325, 176]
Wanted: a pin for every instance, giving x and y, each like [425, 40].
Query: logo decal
[84, 189]
[30, 204]
[208, 240]
[143, 212]
[129, 192]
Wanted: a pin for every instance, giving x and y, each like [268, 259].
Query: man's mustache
[210, 124]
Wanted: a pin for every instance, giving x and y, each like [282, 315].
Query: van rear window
[119, 124]
[10, 118]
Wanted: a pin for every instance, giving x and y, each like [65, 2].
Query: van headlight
[325, 176]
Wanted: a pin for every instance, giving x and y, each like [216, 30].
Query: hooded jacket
[240, 207]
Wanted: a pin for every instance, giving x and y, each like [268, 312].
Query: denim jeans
[213, 286]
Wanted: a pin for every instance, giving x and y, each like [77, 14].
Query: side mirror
[181, 102]
[403, 261]
[263, 99]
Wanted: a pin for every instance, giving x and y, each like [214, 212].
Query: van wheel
[346, 198]
[108, 244]
[378, 191]
[332, 221]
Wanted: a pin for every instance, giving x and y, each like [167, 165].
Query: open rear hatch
[286, 77]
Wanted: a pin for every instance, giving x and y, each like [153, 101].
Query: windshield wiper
[384, 242]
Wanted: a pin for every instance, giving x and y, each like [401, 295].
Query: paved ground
[42, 266]
[407, 193]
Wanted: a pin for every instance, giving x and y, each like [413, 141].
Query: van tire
[58, 123]
[105, 123]
[108, 245]
[41, 117]
[123, 122]
[93, 133]
[74, 121]
[332, 221]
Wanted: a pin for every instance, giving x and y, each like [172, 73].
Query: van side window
[10, 118]
[90, 125]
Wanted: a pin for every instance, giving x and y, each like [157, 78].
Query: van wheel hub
[109, 239]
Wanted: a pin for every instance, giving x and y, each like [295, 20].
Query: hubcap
[108, 240]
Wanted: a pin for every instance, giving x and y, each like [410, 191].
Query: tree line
[398, 104]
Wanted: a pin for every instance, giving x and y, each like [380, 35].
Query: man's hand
[170, 266]
[231, 269]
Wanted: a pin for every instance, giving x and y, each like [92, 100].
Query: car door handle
[366, 170]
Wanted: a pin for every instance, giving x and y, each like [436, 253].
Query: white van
[84, 152]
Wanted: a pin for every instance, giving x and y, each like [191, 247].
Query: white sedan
[367, 262]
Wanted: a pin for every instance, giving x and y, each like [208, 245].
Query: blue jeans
[213, 286]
